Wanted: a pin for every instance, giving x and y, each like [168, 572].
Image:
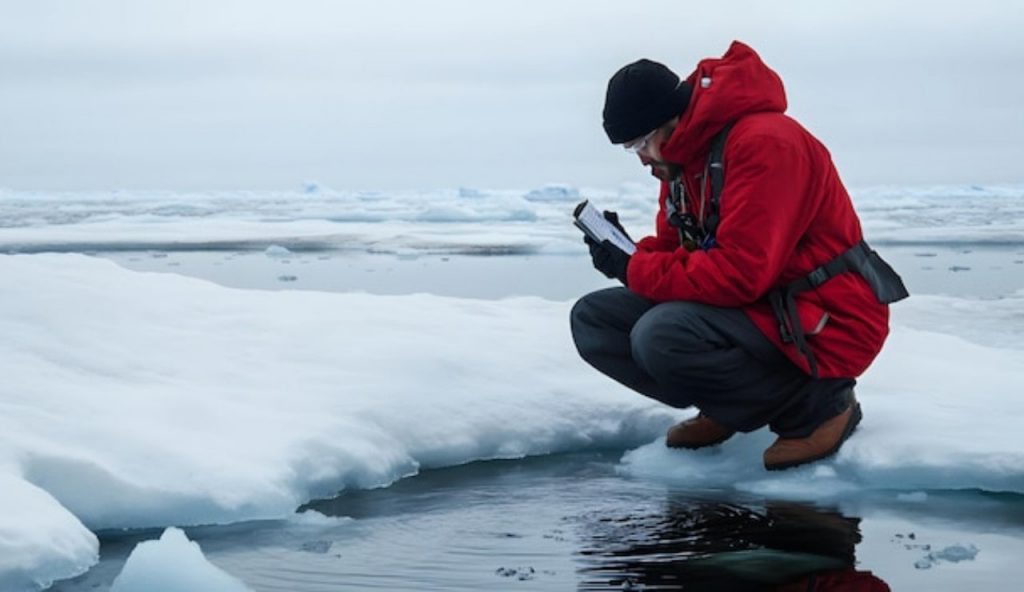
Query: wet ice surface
[572, 521]
[950, 269]
[557, 277]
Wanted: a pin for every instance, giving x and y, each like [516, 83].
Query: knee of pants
[579, 314]
[662, 339]
[581, 323]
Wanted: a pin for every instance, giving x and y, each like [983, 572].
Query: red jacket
[783, 211]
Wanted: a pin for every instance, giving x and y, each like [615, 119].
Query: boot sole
[851, 425]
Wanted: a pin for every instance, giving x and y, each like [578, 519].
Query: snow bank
[40, 541]
[173, 564]
[139, 400]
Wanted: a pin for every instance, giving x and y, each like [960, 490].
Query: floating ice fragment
[287, 278]
[952, 554]
[955, 553]
[277, 251]
[914, 497]
[172, 564]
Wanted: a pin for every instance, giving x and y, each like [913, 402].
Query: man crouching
[757, 299]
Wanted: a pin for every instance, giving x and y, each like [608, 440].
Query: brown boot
[823, 442]
[697, 432]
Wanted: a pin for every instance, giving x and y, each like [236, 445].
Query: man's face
[648, 150]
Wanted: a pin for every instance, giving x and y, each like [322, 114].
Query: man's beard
[662, 170]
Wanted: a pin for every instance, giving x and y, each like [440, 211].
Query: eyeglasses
[636, 146]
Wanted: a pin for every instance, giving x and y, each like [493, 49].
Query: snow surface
[173, 564]
[143, 399]
[940, 412]
[40, 541]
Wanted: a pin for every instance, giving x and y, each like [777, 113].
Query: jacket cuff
[638, 263]
[648, 272]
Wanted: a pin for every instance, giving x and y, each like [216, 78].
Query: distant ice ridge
[554, 192]
[976, 214]
[140, 400]
[464, 219]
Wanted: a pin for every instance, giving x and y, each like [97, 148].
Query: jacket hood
[724, 90]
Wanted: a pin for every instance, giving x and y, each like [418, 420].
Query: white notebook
[590, 220]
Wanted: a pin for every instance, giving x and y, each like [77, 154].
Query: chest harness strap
[697, 233]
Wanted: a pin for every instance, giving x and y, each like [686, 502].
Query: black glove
[607, 258]
[613, 217]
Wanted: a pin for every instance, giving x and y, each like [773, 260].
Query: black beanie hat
[642, 96]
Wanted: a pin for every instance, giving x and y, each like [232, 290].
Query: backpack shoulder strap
[716, 169]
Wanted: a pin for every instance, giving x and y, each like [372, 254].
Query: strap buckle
[818, 277]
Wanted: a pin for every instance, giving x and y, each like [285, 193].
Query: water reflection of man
[701, 546]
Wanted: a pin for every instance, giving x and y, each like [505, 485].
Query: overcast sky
[254, 94]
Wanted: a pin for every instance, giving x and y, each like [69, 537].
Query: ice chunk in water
[277, 251]
[173, 564]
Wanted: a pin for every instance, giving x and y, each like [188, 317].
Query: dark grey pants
[684, 353]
